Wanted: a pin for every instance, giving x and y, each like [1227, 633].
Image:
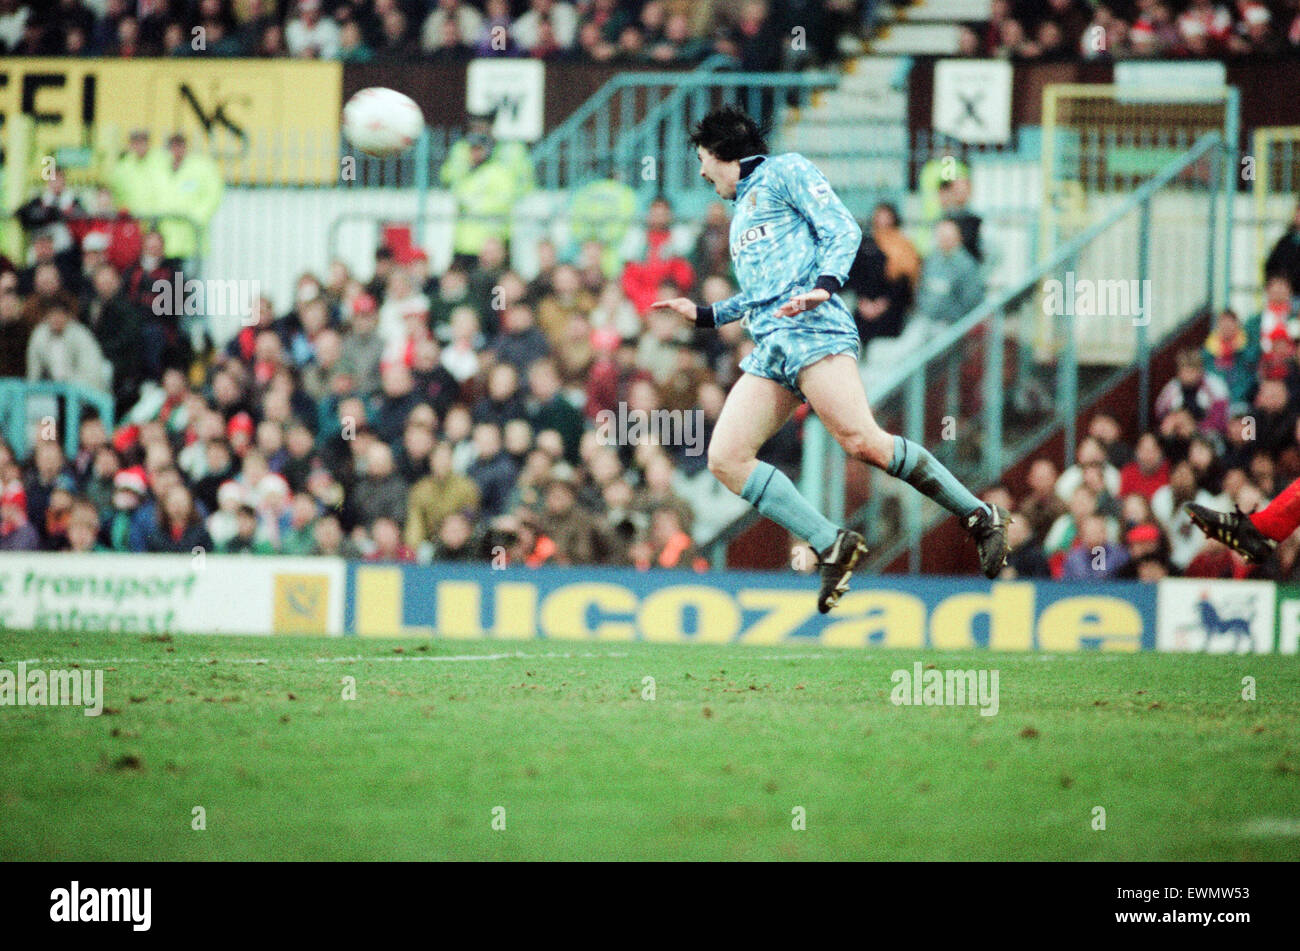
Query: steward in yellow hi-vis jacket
[487, 178]
[134, 176]
[189, 186]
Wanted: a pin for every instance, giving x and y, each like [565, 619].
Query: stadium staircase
[926, 27]
[856, 131]
[25, 406]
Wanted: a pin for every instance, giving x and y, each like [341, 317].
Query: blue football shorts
[780, 354]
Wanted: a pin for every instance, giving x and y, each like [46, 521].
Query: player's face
[723, 176]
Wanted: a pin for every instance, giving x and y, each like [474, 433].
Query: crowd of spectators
[928, 279]
[406, 413]
[454, 416]
[757, 33]
[1134, 29]
[1227, 433]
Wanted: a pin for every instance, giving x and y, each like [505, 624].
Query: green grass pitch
[446, 739]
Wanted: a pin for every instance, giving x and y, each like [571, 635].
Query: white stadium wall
[272, 235]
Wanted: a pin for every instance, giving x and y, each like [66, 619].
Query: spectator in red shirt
[660, 259]
[1148, 471]
[16, 532]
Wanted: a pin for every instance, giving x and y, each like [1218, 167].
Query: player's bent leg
[834, 390]
[755, 409]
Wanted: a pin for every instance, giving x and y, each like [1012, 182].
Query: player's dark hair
[729, 134]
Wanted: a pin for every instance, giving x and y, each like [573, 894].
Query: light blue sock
[915, 465]
[770, 491]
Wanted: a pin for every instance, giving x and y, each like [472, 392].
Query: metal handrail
[937, 345]
[548, 154]
[548, 149]
[13, 404]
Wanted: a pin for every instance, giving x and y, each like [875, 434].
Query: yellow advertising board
[264, 121]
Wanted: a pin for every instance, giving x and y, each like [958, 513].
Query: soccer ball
[381, 121]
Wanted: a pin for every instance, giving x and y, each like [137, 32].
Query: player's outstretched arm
[681, 305]
[704, 315]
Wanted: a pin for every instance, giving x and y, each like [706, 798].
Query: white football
[381, 121]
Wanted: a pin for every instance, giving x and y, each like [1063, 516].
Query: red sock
[1280, 517]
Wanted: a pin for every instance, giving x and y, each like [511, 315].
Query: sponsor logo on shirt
[748, 237]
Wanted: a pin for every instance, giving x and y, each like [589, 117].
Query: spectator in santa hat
[239, 433]
[223, 523]
[129, 490]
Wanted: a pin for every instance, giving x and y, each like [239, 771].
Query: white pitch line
[1269, 827]
[517, 655]
[98, 662]
[262, 661]
[741, 655]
